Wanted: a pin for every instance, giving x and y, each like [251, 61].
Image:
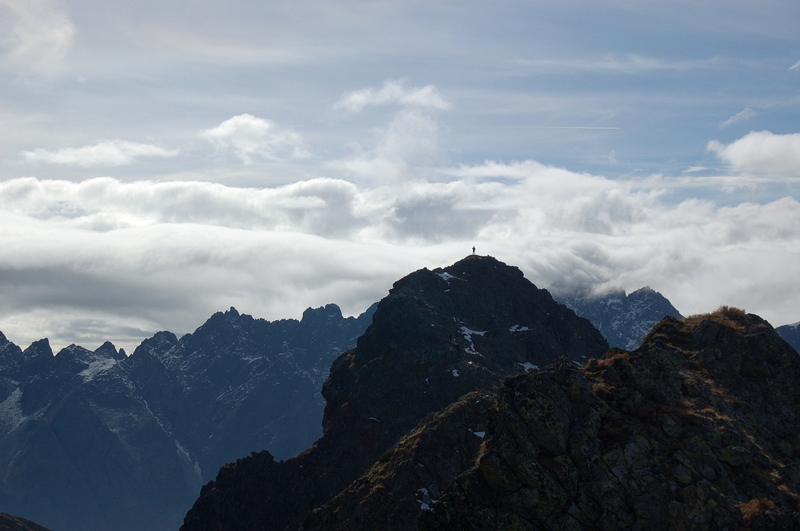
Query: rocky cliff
[438, 346]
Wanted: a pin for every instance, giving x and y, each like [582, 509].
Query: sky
[161, 161]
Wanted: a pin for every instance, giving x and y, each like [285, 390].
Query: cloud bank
[120, 260]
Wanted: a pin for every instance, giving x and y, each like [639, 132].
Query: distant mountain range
[95, 440]
[623, 319]
[790, 333]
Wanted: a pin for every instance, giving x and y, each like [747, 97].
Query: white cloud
[106, 153]
[250, 138]
[407, 148]
[762, 152]
[116, 254]
[39, 37]
[393, 92]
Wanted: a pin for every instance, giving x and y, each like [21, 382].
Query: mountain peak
[329, 311]
[437, 336]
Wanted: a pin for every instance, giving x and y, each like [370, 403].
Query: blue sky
[162, 161]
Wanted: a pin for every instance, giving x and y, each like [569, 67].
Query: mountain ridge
[118, 442]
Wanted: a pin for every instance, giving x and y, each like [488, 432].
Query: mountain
[442, 340]
[15, 523]
[699, 428]
[622, 319]
[791, 334]
[97, 440]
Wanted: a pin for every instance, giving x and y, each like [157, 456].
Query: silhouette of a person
[473, 249]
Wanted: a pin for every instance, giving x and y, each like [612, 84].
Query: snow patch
[11, 411]
[455, 372]
[424, 495]
[518, 328]
[528, 366]
[447, 276]
[96, 367]
[467, 333]
[191, 468]
[480, 434]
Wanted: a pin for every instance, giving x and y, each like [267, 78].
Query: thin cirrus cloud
[251, 138]
[40, 35]
[630, 63]
[105, 153]
[741, 116]
[761, 152]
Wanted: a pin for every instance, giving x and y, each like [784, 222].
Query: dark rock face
[790, 334]
[101, 441]
[437, 337]
[697, 429]
[15, 523]
[623, 319]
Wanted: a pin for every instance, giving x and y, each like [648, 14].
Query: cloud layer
[119, 260]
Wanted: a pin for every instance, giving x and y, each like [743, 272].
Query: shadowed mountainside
[437, 337]
[699, 428]
[96, 440]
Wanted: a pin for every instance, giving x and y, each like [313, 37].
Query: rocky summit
[413, 395]
[699, 428]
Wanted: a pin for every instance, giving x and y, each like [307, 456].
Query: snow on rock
[447, 276]
[467, 333]
[11, 414]
[528, 366]
[518, 328]
[96, 367]
[423, 497]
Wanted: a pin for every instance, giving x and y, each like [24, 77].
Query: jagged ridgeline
[96, 440]
[412, 393]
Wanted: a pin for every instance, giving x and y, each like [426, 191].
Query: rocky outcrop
[699, 428]
[437, 337]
